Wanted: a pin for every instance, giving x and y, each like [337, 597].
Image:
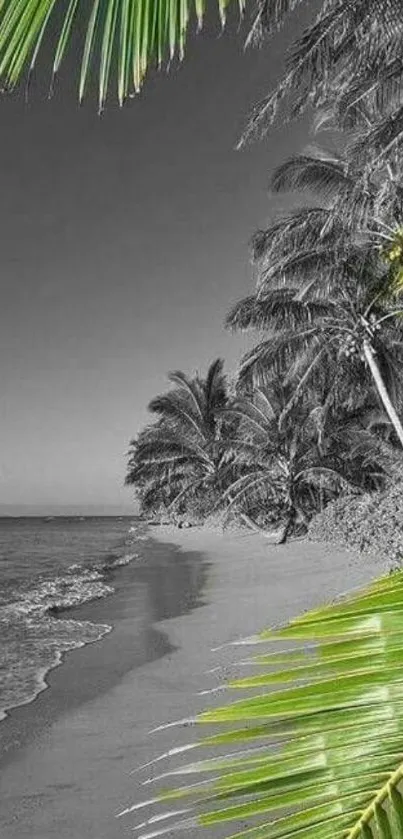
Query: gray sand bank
[71, 777]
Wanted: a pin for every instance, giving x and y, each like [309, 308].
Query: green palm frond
[316, 747]
[120, 39]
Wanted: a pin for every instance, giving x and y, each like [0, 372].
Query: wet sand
[67, 757]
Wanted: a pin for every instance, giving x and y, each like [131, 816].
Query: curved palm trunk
[258, 529]
[381, 388]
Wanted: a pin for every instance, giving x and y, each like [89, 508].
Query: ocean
[48, 565]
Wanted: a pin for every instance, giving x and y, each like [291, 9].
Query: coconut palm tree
[314, 751]
[182, 456]
[323, 289]
[352, 334]
[293, 453]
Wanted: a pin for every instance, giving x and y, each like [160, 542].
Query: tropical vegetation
[311, 436]
[309, 430]
[316, 407]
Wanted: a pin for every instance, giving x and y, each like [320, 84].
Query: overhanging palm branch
[316, 747]
[121, 39]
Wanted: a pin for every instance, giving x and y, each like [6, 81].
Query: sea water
[48, 565]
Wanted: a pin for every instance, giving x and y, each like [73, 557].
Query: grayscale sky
[124, 242]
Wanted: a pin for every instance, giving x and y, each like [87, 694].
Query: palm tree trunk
[381, 388]
[278, 538]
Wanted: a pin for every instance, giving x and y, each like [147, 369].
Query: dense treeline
[316, 407]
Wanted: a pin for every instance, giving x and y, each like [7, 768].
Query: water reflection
[175, 579]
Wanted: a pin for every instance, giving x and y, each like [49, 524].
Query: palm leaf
[304, 227]
[381, 139]
[323, 175]
[271, 16]
[121, 39]
[279, 309]
[276, 352]
[319, 751]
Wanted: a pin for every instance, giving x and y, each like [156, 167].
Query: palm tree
[354, 335]
[181, 457]
[292, 454]
[323, 290]
[315, 750]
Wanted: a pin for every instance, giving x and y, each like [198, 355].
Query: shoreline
[44, 674]
[45, 609]
[60, 692]
[80, 740]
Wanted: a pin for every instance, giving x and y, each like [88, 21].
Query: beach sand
[67, 757]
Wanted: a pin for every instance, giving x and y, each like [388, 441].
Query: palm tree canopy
[181, 451]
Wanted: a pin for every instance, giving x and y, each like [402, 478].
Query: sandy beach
[67, 757]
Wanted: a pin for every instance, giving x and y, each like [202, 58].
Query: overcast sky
[124, 242]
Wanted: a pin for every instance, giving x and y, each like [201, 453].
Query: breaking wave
[33, 635]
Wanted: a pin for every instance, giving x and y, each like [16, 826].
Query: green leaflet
[319, 752]
[383, 823]
[366, 832]
[396, 809]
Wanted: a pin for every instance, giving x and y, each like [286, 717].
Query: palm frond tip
[319, 752]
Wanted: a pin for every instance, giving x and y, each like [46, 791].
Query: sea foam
[34, 635]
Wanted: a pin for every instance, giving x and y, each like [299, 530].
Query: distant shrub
[371, 523]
